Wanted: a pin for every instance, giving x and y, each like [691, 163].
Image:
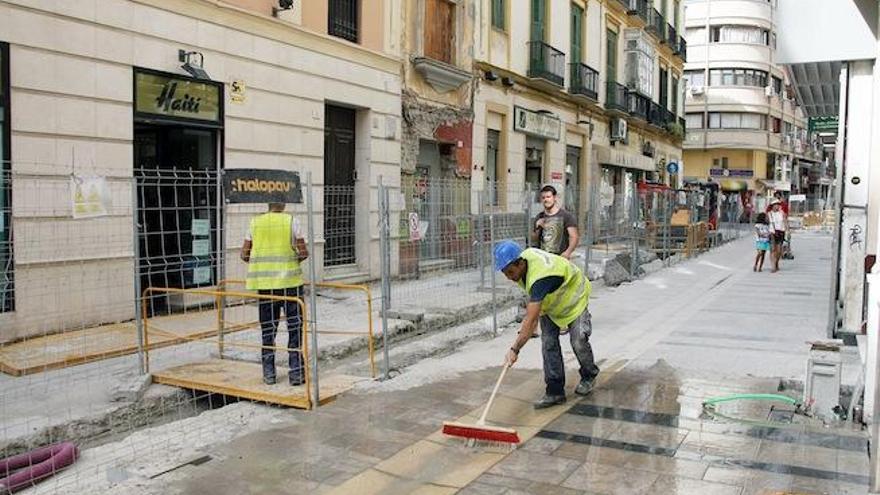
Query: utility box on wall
[822, 381]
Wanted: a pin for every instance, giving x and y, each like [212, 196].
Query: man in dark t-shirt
[555, 229]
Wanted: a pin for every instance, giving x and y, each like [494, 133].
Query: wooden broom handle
[482, 420]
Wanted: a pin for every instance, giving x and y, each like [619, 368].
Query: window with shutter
[439, 30]
[539, 11]
[498, 14]
[577, 32]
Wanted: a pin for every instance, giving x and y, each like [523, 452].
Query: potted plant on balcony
[675, 129]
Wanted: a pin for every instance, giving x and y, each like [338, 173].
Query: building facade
[574, 93]
[149, 101]
[745, 129]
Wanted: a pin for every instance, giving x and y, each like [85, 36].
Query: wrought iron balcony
[681, 49]
[584, 81]
[546, 62]
[656, 115]
[615, 96]
[668, 116]
[637, 105]
[656, 25]
[638, 8]
[671, 36]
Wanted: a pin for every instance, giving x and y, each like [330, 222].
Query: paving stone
[670, 485]
[609, 480]
[535, 467]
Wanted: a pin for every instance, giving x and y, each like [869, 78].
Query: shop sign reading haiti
[160, 95]
[538, 124]
[251, 185]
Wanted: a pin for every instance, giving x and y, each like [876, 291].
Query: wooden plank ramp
[245, 380]
[86, 345]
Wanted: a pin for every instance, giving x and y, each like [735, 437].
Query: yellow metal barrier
[330, 285]
[220, 295]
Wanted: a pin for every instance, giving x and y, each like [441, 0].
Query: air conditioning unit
[768, 90]
[618, 130]
[696, 90]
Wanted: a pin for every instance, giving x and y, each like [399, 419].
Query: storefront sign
[731, 172]
[620, 158]
[89, 196]
[544, 125]
[824, 124]
[249, 185]
[176, 97]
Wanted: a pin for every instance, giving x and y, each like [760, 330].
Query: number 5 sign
[414, 232]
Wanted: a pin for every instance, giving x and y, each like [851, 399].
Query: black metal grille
[637, 105]
[656, 24]
[546, 62]
[584, 81]
[615, 96]
[342, 19]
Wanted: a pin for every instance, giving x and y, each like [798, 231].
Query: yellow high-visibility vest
[566, 303]
[273, 263]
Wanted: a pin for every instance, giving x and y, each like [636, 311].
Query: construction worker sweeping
[558, 293]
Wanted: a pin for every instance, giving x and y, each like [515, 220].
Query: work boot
[269, 380]
[296, 382]
[550, 401]
[584, 387]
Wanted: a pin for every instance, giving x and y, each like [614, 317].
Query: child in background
[762, 241]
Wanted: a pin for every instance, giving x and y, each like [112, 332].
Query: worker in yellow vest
[273, 249]
[558, 293]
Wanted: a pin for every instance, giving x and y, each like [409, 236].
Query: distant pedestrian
[762, 241]
[778, 226]
[555, 229]
[273, 249]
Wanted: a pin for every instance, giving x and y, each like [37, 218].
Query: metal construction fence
[111, 278]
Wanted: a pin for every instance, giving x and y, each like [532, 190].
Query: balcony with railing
[681, 49]
[656, 25]
[638, 8]
[655, 114]
[547, 63]
[671, 36]
[615, 96]
[584, 81]
[637, 105]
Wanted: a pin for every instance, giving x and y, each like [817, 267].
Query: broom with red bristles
[480, 431]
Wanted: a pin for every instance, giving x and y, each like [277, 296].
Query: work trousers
[554, 370]
[270, 317]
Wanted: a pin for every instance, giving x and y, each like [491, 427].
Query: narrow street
[706, 328]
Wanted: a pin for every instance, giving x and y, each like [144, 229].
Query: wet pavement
[707, 328]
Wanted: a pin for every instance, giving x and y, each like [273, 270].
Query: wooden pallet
[245, 380]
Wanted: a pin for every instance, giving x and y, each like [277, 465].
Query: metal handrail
[584, 80]
[546, 62]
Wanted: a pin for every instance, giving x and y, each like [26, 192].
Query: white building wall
[71, 78]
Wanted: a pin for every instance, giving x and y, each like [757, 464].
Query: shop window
[498, 14]
[342, 19]
[7, 286]
[439, 30]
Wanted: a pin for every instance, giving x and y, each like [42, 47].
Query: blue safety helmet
[506, 252]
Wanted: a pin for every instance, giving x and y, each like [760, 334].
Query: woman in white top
[778, 226]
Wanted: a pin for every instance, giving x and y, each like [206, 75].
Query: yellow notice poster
[89, 196]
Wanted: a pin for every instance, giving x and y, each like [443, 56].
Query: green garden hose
[709, 406]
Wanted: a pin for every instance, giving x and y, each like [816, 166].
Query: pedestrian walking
[273, 249]
[778, 225]
[762, 241]
[558, 294]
